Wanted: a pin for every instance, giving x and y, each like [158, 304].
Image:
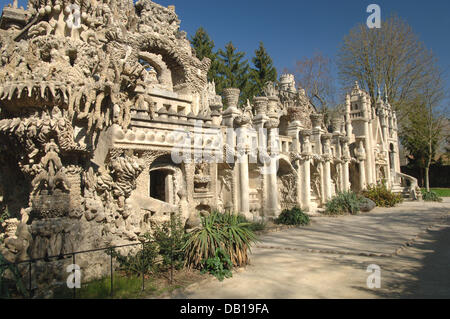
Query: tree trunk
[427, 178]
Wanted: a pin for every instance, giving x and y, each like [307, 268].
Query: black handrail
[73, 254]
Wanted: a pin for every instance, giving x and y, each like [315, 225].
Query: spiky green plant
[343, 203]
[220, 231]
[431, 196]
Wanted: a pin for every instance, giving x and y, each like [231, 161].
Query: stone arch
[164, 76]
[174, 63]
[165, 180]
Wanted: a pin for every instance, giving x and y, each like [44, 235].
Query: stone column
[361, 156]
[306, 171]
[370, 164]
[169, 189]
[293, 131]
[348, 120]
[345, 166]
[326, 138]
[272, 167]
[244, 184]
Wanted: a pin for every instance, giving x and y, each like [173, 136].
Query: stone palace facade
[96, 97]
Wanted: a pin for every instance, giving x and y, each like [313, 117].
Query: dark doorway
[158, 185]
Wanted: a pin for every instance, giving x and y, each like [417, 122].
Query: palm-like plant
[220, 231]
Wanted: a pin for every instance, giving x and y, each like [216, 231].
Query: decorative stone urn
[272, 105]
[261, 104]
[336, 124]
[231, 96]
[316, 120]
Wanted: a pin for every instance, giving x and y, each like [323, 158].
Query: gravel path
[329, 258]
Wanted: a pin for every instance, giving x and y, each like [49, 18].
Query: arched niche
[163, 76]
[165, 180]
[174, 64]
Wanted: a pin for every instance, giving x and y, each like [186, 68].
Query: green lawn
[441, 192]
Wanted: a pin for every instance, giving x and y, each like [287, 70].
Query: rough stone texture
[367, 205]
[92, 112]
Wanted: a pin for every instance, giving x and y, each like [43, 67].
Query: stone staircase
[408, 188]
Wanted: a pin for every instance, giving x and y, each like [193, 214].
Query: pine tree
[204, 47]
[233, 71]
[263, 72]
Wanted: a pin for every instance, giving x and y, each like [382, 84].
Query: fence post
[74, 286]
[171, 249]
[143, 272]
[29, 278]
[112, 280]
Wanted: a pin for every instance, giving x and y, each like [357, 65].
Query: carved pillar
[244, 184]
[345, 164]
[272, 167]
[242, 161]
[348, 120]
[306, 171]
[326, 138]
[361, 156]
[293, 131]
[370, 161]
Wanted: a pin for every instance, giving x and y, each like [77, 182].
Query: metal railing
[73, 255]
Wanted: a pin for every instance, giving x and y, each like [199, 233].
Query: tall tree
[233, 71]
[392, 57]
[204, 47]
[263, 71]
[315, 77]
[424, 130]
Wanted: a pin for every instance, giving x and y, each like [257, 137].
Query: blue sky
[293, 29]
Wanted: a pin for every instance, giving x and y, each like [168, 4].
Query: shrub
[219, 266]
[430, 196]
[170, 238]
[343, 203]
[219, 231]
[15, 284]
[382, 196]
[294, 216]
[144, 261]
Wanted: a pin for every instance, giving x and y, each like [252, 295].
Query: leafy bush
[294, 216]
[219, 231]
[15, 284]
[144, 261]
[219, 266]
[382, 196]
[431, 196]
[343, 203]
[170, 238]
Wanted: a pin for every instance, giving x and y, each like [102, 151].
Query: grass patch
[441, 192]
[130, 287]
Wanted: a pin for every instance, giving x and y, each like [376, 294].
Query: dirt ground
[329, 259]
